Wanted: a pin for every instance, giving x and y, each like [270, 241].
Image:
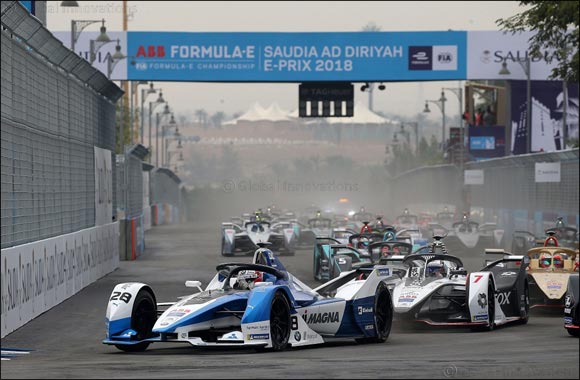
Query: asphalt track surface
[65, 342]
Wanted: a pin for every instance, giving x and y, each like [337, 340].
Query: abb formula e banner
[279, 57]
[316, 56]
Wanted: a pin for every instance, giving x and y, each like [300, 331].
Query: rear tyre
[143, 318]
[574, 332]
[383, 316]
[526, 314]
[279, 322]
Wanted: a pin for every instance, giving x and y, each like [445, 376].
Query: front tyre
[383, 315]
[490, 309]
[574, 332]
[279, 322]
[143, 318]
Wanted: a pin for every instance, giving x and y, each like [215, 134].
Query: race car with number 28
[259, 305]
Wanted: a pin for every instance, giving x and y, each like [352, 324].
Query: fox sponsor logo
[482, 317]
[313, 318]
[258, 336]
[362, 310]
[503, 298]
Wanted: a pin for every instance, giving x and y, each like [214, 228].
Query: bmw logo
[297, 336]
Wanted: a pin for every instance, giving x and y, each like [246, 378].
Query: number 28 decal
[125, 297]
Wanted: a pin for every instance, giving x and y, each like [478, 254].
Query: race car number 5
[477, 278]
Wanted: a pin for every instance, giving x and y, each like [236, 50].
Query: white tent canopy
[259, 113]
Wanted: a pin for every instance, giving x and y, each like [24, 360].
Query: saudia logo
[321, 317]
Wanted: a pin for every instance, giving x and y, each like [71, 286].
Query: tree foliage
[555, 24]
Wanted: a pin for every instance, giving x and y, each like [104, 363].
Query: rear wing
[499, 254]
[230, 225]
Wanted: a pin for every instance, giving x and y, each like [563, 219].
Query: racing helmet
[558, 261]
[545, 260]
[435, 269]
[247, 279]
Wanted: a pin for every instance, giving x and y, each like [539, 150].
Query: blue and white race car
[258, 304]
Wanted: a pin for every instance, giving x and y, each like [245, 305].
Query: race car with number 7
[438, 291]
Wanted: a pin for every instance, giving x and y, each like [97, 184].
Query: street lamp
[157, 121]
[164, 144]
[113, 60]
[415, 126]
[144, 94]
[132, 96]
[99, 42]
[525, 64]
[369, 87]
[458, 91]
[440, 103]
[77, 26]
[152, 106]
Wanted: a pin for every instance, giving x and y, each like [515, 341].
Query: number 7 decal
[477, 278]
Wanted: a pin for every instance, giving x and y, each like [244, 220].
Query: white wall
[42, 274]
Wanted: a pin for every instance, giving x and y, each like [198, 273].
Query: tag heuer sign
[326, 99]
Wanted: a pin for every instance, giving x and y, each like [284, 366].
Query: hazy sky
[405, 99]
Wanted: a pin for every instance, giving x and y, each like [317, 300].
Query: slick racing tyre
[574, 332]
[490, 309]
[526, 313]
[143, 318]
[279, 321]
[383, 315]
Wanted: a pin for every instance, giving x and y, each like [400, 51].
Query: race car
[406, 221]
[437, 290]
[571, 309]
[360, 217]
[549, 271]
[259, 305]
[331, 258]
[467, 235]
[316, 227]
[342, 234]
[237, 239]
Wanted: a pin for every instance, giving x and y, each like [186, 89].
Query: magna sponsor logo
[313, 318]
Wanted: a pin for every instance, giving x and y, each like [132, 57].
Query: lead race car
[246, 239]
[259, 305]
[437, 290]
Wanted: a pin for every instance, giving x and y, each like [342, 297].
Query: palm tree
[201, 116]
[218, 118]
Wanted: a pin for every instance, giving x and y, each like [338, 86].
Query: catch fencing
[58, 232]
[508, 190]
[55, 109]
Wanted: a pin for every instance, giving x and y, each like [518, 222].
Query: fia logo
[141, 66]
[445, 57]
